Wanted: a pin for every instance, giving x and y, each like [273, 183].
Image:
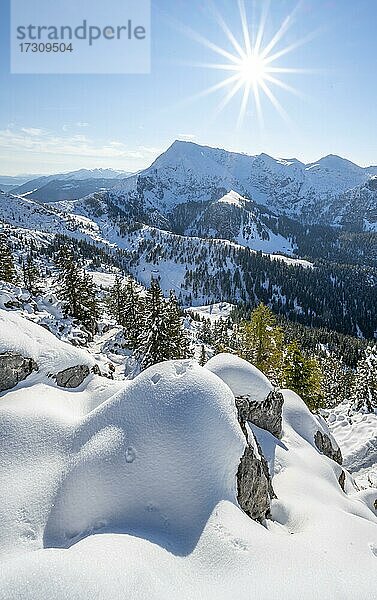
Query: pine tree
[154, 340]
[31, 275]
[302, 375]
[77, 290]
[364, 391]
[7, 268]
[133, 313]
[179, 343]
[203, 356]
[261, 342]
[336, 381]
[116, 301]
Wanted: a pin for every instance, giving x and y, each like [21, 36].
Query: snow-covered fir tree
[203, 356]
[364, 391]
[31, 274]
[77, 289]
[7, 268]
[179, 342]
[154, 340]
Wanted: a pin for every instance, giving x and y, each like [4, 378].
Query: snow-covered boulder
[26, 346]
[156, 458]
[312, 428]
[13, 369]
[256, 399]
[73, 376]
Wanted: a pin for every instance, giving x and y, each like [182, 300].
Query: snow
[213, 312]
[241, 376]
[20, 336]
[356, 434]
[128, 489]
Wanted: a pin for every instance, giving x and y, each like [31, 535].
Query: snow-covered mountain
[188, 173]
[10, 182]
[68, 186]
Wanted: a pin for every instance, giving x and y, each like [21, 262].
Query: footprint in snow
[130, 454]
[155, 378]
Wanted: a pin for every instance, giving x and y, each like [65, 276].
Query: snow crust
[241, 376]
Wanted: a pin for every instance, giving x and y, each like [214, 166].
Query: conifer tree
[116, 300]
[77, 290]
[203, 356]
[7, 268]
[179, 343]
[261, 342]
[133, 313]
[154, 341]
[364, 392]
[31, 275]
[302, 375]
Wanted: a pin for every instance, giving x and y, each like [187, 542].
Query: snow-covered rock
[50, 356]
[132, 489]
[256, 399]
[13, 369]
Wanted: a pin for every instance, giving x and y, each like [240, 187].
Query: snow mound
[137, 498]
[298, 418]
[241, 376]
[21, 336]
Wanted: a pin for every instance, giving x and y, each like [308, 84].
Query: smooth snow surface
[128, 490]
[242, 377]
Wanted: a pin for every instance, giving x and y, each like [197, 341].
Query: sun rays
[250, 67]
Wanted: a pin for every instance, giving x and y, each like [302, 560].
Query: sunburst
[252, 63]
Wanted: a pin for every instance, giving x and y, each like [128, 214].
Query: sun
[252, 69]
[253, 64]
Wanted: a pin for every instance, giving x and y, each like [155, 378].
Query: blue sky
[54, 123]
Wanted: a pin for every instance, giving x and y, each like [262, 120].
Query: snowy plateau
[183, 481]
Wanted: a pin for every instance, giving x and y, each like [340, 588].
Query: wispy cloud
[29, 139]
[34, 148]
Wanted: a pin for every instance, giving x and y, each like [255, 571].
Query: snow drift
[128, 489]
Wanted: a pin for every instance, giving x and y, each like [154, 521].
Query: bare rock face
[72, 377]
[266, 414]
[13, 369]
[254, 487]
[324, 445]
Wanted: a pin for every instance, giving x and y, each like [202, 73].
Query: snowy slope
[356, 434]
[129, 490]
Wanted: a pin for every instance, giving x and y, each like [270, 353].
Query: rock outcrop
[324, 445]
[72, 377]
[253, 487]
[14, 368]
[266, 414]
[256, 399]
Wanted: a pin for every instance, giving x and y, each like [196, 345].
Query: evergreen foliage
[77, 289]
[7, 268]
[302, 375]
[364, 391]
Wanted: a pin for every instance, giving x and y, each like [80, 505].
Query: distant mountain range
[331, 191]
[63, 186]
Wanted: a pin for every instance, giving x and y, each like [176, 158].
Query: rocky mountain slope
[310, 193]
